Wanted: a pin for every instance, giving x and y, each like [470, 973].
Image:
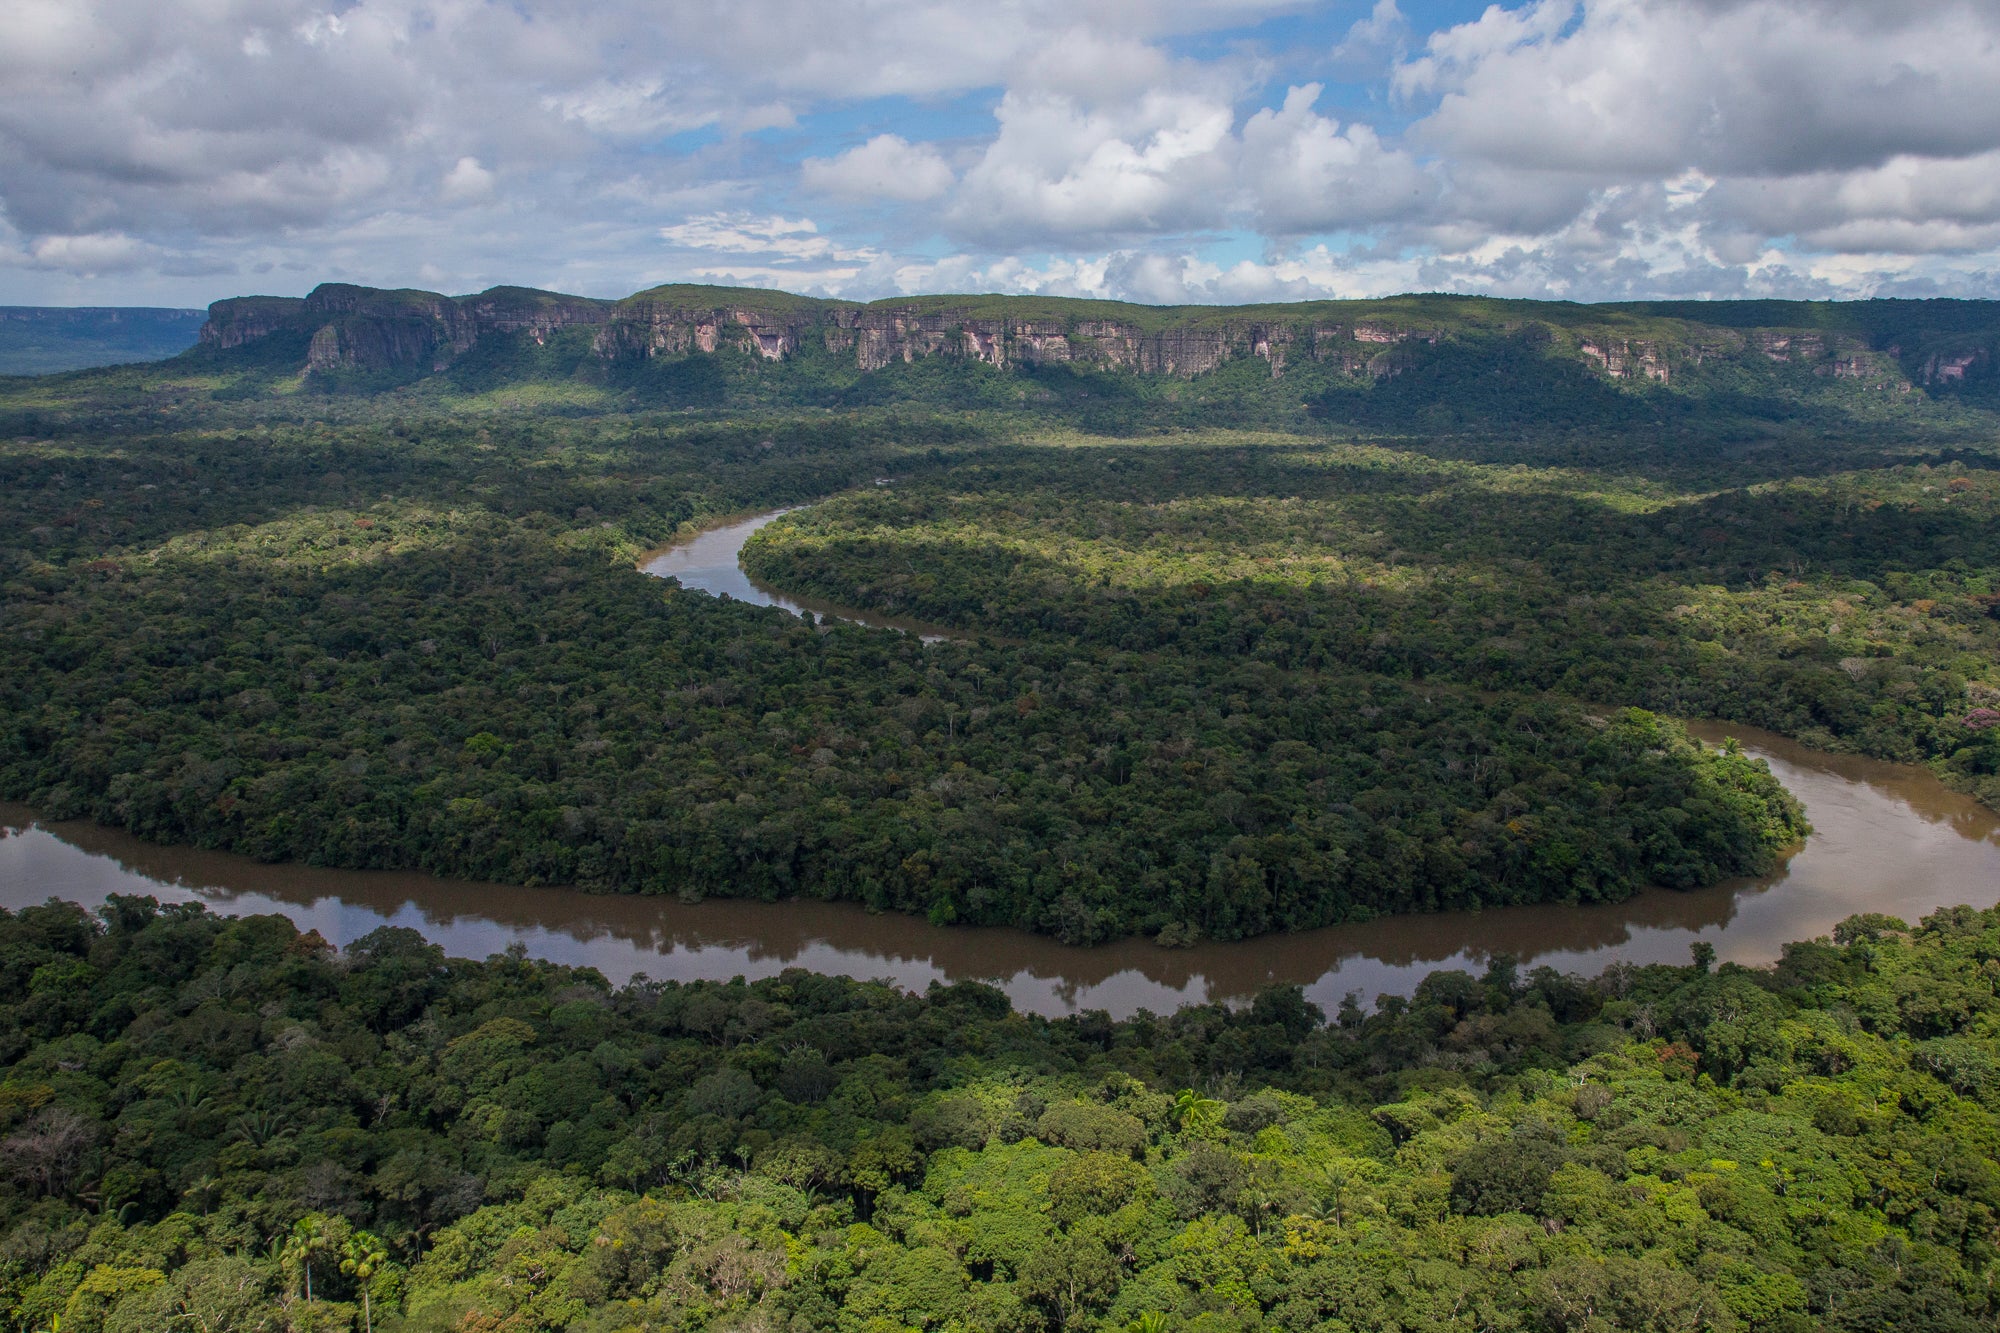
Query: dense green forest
[1265, 618]
[1853, 608]
[427, 646]
[220, 1124]
[354, 583]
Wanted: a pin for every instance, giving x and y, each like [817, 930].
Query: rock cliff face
[1623, 358]
[360, 328]
[363, 328]
[646, 326]
[245, 319]
[350, 328]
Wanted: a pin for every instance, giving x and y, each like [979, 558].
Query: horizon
[994, 295]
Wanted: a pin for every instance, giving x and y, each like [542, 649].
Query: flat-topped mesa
[247, 319]
[536, 313]
[341, 327]
[887, 332]
[677, 321]
[366, 328]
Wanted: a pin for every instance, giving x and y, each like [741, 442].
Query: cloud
[466, 182]
[1751, 87]
[772, 238]
[1575, 147]
[1305, 174]
[88, 256]
[888, 166]
[1908, 204]
[1371, 42]
[1060, 167]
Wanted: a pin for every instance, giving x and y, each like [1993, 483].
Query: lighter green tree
[362, 1258]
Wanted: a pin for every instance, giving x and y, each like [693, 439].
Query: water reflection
[711, 562]
[1888, 838]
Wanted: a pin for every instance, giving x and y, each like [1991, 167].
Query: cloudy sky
[175, 151]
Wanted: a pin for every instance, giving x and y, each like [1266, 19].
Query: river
[1888, 838]
[710, 562]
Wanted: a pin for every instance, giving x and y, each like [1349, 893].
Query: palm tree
[365, 1254]
[308, 1238]
[1150, 1322]
[1195, 1113]
[189, 1106]
[203, 1193]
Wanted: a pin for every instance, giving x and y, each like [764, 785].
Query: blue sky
[176, 151]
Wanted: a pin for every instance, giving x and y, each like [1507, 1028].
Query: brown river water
[1887, 838]
[709, 562]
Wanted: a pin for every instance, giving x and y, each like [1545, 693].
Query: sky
[172, 152]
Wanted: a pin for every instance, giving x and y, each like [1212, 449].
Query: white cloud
[772, 238]
[1908, 203]
[1306, 174]
[466, 182]
[90, 255]
[886, 167]
[1580, 147]
[1760, 87]
[1384, 26]
[1060, 167]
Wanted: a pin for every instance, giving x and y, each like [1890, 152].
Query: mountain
[39, 340]
[360, 337]
[360, 328]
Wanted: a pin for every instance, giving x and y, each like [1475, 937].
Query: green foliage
[1210, 684]
[1809, 1146]
[469, 677]
[1854, 609]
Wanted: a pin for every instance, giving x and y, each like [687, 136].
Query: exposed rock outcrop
[361, 328]
[1627, 358]
[245, 319]
[1941, 368]
[351, 328]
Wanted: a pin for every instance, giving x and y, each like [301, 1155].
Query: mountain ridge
[342, 328]
[42, 340]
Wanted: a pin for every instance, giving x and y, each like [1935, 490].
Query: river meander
[711, 562]
[1888, 838]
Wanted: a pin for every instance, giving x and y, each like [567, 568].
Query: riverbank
[1888, 838]
[710, 562]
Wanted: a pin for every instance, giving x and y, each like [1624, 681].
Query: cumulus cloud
[888, 166]
[1572, 147]
[1307, 174]
[1060, 167]
[88, 256]
[1737, 86]
[1908, 203]
[466, 182]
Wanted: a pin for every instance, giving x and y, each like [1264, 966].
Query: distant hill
[39, 340]
[511, 334]
[1424, 364]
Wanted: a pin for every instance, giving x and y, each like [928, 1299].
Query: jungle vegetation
[1237, 653]
[218, 1123]
[428, 647]
[1418, 644]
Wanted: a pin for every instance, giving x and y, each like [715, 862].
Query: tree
[311, 1237]
[1070, 1278]
[362, 1257]
[1196, 1114]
